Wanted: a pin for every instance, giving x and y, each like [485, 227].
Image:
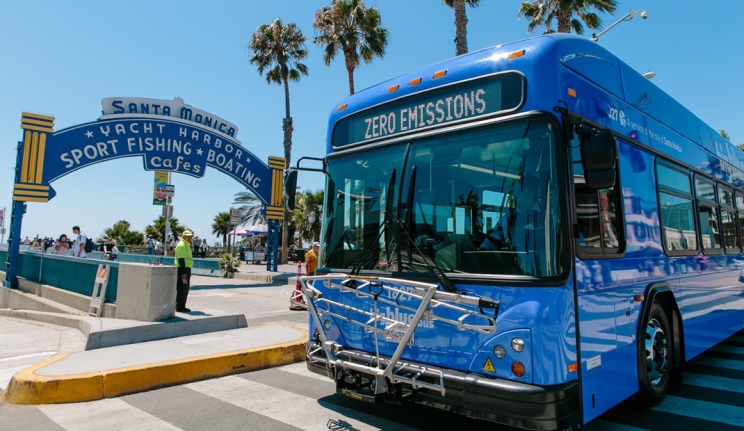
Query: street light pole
[627, 17]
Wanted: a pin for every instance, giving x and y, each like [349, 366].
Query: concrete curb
[264, 277]
[100, 335]
[27, 387]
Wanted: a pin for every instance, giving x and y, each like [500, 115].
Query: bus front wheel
[656, 356]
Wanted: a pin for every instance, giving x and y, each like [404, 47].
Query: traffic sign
[235, 216]
[170, 190]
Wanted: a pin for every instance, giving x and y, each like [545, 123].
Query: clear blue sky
[62, 58]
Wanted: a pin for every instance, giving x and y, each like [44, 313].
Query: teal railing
[208, 267]
[77, 275]
[66, 272]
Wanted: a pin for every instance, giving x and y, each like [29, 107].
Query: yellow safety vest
[183, 250]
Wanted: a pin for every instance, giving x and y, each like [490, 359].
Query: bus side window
[710, 234]
[597, 213]
[679, 233]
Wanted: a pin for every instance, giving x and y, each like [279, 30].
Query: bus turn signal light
[572, 92]
[342, 107]
[414, 81]
[516, 54]
[393, 88]
[517, 369]
[439, 74]
[573, 367]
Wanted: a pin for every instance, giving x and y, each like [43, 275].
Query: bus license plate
[396, 331]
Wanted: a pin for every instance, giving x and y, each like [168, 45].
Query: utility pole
[168, 198]
[2, 224]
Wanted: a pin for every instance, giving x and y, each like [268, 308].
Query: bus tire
[656, 353]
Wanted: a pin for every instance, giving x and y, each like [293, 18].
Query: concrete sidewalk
[142, 364]
[115, 371]
[286, 274]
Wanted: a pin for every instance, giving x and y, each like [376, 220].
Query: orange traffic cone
[296, 302]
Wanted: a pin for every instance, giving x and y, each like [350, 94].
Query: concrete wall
[41, 297]
[146, 292]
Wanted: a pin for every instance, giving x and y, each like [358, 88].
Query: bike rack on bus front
[388, 291]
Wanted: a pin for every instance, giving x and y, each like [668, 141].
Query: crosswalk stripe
[712, 382]
[729, 349]
[720, 363]
[306, 413]
[600, 425]
[300, 369]
[111, 413]
[697, 409]
[30, 355]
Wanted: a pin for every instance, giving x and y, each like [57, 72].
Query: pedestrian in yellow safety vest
[184, 261]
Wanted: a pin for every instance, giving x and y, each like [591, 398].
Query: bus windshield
[481, 201]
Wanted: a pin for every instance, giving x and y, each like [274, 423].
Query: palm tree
[348, 26]
[122, 235]
[221, 225]
[157, 229]
[278, 50]
[461, 23]
[310, 215]
[543, 12]
[250, 208]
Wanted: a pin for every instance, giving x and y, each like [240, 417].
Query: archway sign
[168, 135]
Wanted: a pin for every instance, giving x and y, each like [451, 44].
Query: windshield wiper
[359, 264]
[446, 283]
[405, 224]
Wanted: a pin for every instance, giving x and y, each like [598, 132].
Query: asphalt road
[291, 398]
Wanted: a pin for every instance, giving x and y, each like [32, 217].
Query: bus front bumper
[473, 395]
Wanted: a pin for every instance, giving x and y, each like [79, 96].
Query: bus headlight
[499, 351]
[517, 344]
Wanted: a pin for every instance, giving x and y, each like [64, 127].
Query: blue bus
[528, 234]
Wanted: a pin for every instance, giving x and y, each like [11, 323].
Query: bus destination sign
[449, 104]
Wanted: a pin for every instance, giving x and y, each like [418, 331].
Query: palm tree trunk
[564, 20]
[461, 27]
[348, 55]
[288, 128]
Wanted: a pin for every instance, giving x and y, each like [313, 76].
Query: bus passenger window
[710, 224]
[679, 233]
[709, 228]
[596, 214]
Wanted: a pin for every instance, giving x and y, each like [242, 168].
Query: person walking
[79, 247]
[184, 261]
[149, 245]
[311, 259]
[158, 247]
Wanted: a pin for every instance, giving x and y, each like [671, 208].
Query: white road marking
[108, 414]
[306, 413]
[300, 369]
[712, 412]
[30, 355]
[713, 382]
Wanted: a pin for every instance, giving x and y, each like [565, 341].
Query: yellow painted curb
[26, 387]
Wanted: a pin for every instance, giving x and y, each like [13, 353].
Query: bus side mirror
[290, 189]
[599, 158]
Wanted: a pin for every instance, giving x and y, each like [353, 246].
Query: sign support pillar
[166, 240]
[16, 220]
